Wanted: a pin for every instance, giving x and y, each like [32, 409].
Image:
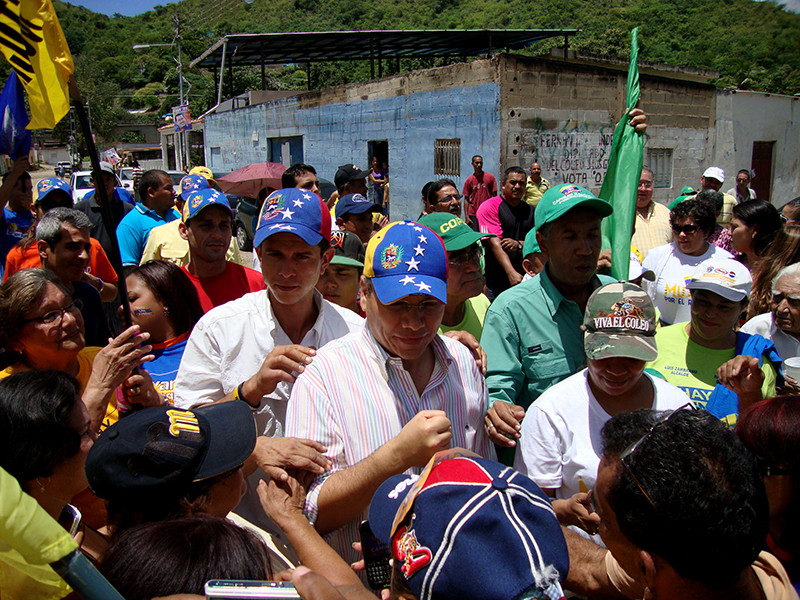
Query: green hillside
[753, 45]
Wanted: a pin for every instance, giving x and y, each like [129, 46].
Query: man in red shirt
[207, 226]
[478, 187]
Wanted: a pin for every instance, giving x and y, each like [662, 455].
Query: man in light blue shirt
[156, 208]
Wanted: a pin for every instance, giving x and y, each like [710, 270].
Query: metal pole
[263, 74]
[222, 71]
[181, 134]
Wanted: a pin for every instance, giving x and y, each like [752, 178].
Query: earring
[40, 483]
[166, 312]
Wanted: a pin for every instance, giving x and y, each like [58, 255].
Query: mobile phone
[376, 558]
[70, 519]
[238, 589]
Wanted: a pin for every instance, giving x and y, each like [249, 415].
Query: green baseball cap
[559, 200]
[530, 245]
[620, 321]
[455, 234]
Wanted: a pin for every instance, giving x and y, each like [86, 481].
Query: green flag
[622, 177]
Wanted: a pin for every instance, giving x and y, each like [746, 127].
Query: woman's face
[69, 476]
[713, 317]
[225, 495]
[615, 376]
[689, 238]
[147, 311]
[51, 341]
[742, 235]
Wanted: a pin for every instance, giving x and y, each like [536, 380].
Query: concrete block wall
[229, 141]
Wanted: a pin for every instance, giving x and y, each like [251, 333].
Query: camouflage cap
[620, 321]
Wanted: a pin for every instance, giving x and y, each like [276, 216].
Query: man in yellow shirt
[536, 186]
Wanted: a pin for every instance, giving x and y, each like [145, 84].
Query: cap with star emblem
[297, 211]
[201, 199]
[190, 183]
[406, 258]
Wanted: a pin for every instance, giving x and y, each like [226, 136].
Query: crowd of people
[509, 421]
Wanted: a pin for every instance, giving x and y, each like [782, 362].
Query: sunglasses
[687, 229]
[625, 457]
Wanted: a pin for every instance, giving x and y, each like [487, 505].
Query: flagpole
[105, 204]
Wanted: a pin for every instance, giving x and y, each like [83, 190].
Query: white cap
[636, 270]
[715, 173]
[724, 276]
[106, 167]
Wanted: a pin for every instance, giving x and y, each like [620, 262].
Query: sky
[134, 7]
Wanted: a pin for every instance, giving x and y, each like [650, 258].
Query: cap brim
[720, 290]
[347, 262]
[359, 208]
[210, 204]
[232, 437]
[601, 206]
[390, 288]
[465, 240]
[308, 235]
[599, 345]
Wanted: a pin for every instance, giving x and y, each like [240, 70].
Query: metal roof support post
[566, 46]
[230, 72]
[489, 55]
[308, 75]
[263, 67]
[380, 61]
[221, 72]
[371, 57]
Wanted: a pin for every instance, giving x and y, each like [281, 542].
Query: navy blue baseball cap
[469, 527]
[406, 258]
[355, 204]
[292, 210]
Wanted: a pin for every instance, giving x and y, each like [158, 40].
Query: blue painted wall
[335, 134]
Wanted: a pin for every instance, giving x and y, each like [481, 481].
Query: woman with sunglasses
[559, 446]
[692, 223]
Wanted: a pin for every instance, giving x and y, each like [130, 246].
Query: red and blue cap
[203, 198]
[191, 183]
[471, 528]
[406, 258]
[297, 211]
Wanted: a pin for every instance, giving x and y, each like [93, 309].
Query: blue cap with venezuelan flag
[406, 258]
[297, 211]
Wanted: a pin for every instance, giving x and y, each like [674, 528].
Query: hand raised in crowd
[275, 455]
[427, 433]
[312, 586]
[140, 389]
[471, 342]
[279, 365]
[381, 222]
[743, 376]
[503, 420]
[638, 120]
[284, 500]
[577, 511]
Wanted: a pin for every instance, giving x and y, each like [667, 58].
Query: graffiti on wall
[571, 153]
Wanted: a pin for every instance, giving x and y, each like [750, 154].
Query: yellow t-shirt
[165, 243]
[473, 317]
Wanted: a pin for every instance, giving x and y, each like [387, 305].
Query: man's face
[615, 376]
[645, 191]
[110, 183]
[514, 188]
[786, 305]
[307, 181]
[357, 186]
[742, 181]
[621, 548]
[477, 164]
[360, 224]
[162, 197]
[404, 328]
[536, 172]
[573, 247]
[209, 234]
[291, 268]
[339, 284]
[448, 200]
[71, 255]
[713, 317]
[709, 183]
[464, 277]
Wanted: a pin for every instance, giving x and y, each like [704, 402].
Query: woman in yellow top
[42, 328]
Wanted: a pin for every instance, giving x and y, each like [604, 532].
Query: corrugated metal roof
[314, 46]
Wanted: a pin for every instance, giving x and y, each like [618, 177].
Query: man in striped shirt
[384, 399]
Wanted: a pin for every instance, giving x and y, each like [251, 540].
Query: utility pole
[184, 141]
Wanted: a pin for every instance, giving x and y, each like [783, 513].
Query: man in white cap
[712, 179]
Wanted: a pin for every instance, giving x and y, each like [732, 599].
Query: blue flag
[15, 140]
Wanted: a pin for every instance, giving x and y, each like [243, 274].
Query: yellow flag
[32, 42]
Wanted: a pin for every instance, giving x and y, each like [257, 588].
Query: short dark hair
[763, 214]
[702, 213]
[709, 514]
[433, 189]
[715, 199]
[746, 172]
[511, 170]
[173, 288]
[35, 408]
[476, 156]
[180, 556]
[289, 177]
[150, 179]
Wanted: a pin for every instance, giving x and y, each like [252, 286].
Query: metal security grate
[447, 157]
[660, 161]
